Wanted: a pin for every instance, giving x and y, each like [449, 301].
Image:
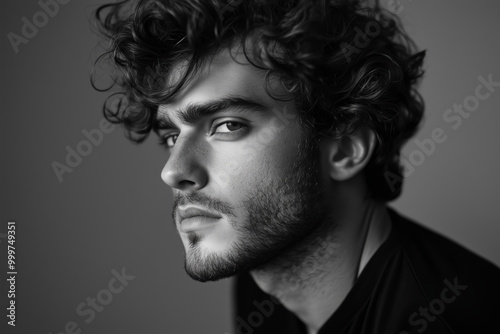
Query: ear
[347, 156]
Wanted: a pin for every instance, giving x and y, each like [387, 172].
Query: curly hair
[346, 64]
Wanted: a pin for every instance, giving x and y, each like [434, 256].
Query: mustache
[200, 199]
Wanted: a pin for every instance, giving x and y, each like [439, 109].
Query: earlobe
[348, 155]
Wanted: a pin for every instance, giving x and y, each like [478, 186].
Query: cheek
[234, 175]
[237, 169]
[278, 156]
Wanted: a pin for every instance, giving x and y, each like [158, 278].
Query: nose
[185, 169]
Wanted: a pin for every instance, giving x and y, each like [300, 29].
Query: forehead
[220, 77]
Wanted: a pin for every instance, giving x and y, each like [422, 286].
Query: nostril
[185, 184]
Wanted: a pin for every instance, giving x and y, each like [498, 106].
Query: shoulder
[426, 248]
[448, 275]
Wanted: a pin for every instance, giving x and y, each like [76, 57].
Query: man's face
[245, 177]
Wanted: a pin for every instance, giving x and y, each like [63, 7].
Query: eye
[228, 127]
[168, 141]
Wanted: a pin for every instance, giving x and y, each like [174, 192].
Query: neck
[313, 278]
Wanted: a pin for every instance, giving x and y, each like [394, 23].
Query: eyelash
[243, 128]
[163, 140]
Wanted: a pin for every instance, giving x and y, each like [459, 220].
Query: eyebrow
[193, 113]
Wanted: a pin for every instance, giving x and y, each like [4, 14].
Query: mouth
[192, 219]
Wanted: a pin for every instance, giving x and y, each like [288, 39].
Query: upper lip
[191, 211]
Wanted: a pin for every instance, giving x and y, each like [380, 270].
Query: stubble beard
[279, 215]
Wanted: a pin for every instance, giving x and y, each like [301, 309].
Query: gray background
[113, 210]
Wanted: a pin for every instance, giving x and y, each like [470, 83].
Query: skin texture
[270, 199]
[295, 213]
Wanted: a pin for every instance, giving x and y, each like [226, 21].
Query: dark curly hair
[346, 64]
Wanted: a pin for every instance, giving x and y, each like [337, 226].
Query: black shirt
[417, 282]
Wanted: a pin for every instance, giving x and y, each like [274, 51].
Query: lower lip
[196, 223]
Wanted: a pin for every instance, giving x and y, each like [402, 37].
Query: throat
[301, 278]
[313, 278]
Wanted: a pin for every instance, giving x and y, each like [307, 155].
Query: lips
[191, 212]
[192, 219]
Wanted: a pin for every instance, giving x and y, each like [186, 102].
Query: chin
[210, 267]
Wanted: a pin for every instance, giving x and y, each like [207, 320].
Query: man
[283, 122]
